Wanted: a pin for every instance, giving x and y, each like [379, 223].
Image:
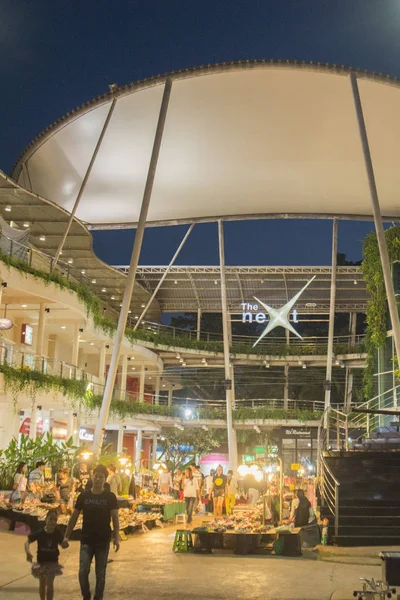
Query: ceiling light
[129, 311]
[83, 271]
[355, 282]
[112, 297]
[133, 368]
[93, 281]
[149, 377]
[63, 327]
[304, 366]
[136, 316]
[132, 358]
[181, 360]
[178, 356]
[120, 305]
[42, 238]
[92, 343]
[163, 384]
[103, 289]
[175, 282]
[311, 304]
[26, 225]
[24, 305]
[70, 261]
[183, 364]
[216, 282]
[143, 306]
[8, 209]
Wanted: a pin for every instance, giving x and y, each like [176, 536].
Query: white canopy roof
[241, 140]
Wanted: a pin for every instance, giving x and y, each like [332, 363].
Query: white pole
[138, 454]
[331, 330]
[380, 233]
[124, 376]
[120, 439]
[130, 280]
[40, 336]
[84, 182]
[167, 270]
[141, 382]
[157, 390]
[198, 323]
[232, 448]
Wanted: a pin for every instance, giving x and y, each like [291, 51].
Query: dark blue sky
[54, 56]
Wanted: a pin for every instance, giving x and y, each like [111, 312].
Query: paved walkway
[146, 568]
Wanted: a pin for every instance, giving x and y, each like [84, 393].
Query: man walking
[98, 506]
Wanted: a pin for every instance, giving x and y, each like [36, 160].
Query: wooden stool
[183, 541]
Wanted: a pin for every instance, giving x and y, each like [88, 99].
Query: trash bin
[390, 567]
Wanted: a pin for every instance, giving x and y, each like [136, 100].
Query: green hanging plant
[377, 310]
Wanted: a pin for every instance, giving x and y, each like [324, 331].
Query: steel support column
[130, 280]
[157, 390]
[75, 347]
[170, 392]
[142, 378]
[380, 234]
[232, 447]
[331, 330]
[138, 453]
[159, 284]
[84, 182]
[40, 336]
[124, 376]
[120, 439]
[198, 323]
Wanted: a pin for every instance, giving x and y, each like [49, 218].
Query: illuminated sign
[278, 317]
[86, 435]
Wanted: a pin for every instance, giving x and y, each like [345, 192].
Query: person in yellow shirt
[230, 493]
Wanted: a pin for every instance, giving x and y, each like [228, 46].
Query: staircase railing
[332, 434]
[367, 421]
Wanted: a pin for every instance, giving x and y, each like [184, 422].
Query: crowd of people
[64, 488]
[210, 493]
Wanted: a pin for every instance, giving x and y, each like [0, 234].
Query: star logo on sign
[279, 317]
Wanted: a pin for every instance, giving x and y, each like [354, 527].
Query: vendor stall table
[249, 543]
[169, 510]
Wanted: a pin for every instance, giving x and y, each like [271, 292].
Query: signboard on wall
[26, 424]
[300, 433]
[26, 335]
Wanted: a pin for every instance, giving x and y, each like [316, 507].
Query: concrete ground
[146, 568]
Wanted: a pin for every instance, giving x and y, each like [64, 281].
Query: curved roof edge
[116, 91]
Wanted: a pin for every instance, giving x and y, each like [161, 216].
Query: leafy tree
[179, 447]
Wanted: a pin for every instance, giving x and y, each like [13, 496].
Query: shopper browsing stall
[218, 489]
[20, 482]
[114, 480]
[190, 489]
[66, 488]
[208, 482]
[177, 484]
[231, 489]
[165, 482]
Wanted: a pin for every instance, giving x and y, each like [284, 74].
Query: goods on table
[147, 497]
[241, 522]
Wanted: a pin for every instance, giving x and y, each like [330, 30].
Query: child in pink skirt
[46, 568]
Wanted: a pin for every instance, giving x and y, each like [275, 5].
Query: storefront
[298, 447]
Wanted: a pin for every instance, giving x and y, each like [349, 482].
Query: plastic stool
[180, 518]
[183, 541]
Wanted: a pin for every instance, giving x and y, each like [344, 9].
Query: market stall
[247, 532]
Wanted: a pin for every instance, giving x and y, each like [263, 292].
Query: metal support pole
[102, 362]
[138, 454]
[83, 184]
[170, 391]
[286, 389]
[130, 280]
[157, 390]
[331, 330]
[124, 376]
[154, 294]
[120, 440]
[232, 447]
[198, 323]
[154, 448]
[40, 336]
[141, 382]
[75, 347]
[353, 330]
[380, 234]
[33, 423]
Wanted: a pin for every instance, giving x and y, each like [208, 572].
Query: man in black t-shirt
[98, 506]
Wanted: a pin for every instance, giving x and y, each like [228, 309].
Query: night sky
[54, 56]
